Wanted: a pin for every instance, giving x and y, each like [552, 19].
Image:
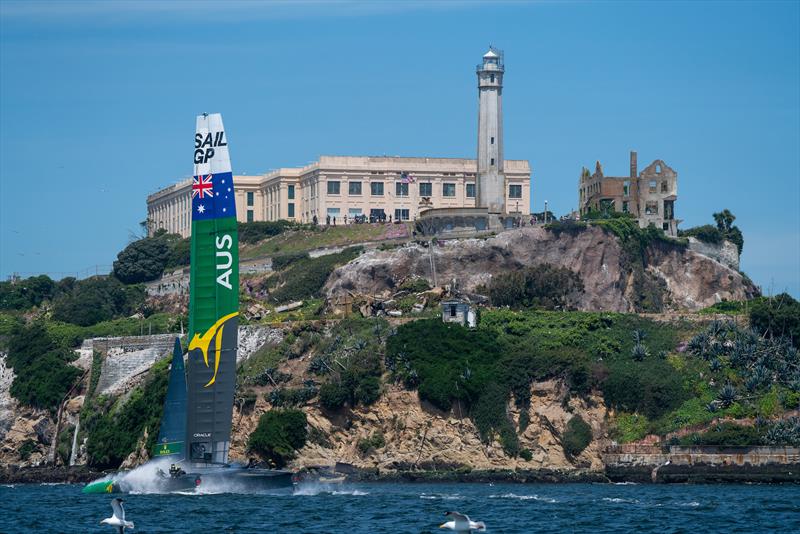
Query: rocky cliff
[687, 280]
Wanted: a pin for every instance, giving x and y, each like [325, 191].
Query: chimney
[634, 166]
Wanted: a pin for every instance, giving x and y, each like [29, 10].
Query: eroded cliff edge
[613, 280]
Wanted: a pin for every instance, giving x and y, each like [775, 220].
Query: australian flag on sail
[213, 196]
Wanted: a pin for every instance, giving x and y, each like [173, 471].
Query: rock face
[726, 252]
[692, 280]
[419, 436]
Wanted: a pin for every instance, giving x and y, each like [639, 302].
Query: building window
[333, 212]
[664, 186]
[452, 310]
[333, 187]
[669, 209]
[626, 188]
[376, 189]
[400, 215]
[491, 77]
[665, 227]
[658, 168]
[425, 189]
[354, 212]
[492, 161]
[354, 188]
[290, 209]
[492, 141]
[291, 192]
[249, 198]
[653, 186]
[624, 206]
[514, 191]
[651, 208]
[448, 190]
[470, 190]
[249, 215]
[401, 189]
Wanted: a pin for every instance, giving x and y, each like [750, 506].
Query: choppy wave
[441, 497]
[621, 500]
[523, 497]
[321, 488]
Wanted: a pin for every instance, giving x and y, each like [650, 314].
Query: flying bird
[462, 523]
[118, 519]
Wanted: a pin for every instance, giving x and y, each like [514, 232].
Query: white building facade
[350, 186]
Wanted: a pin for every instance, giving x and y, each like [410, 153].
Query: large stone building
[649, 195]
[339, 186]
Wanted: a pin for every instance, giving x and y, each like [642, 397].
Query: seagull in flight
[462, 523]
[118, 519]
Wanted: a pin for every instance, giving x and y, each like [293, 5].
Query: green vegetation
[27, 448]
[283, 397]
[97, 299]
[477, 370]
[145, 259]
[304, 278]
[281, 262]
[576, 437]
[350, 356]
[543, 286]
[726, 307]
[71, 335]
[115, 427]
[278, 435]
[253, 232]
[776, 433]
[375, 441]
[64, 445]
[308, 237]
[724, 230]
[42, 374]
[27, 293]
[777, 316]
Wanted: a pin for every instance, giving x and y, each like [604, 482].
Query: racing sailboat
[200, 454]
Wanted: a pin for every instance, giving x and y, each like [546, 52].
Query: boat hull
[214, 479]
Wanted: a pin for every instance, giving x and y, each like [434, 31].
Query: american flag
[407, 178]
[202, 186]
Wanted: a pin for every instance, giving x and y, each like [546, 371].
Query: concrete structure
[649, 196]
[491, 181]
[501, 202]
[456, 311]
[340, 186]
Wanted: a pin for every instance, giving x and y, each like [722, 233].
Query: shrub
[305, 278]
[291, 396]
[180, 254]
[42, 374]
[145, 259]
[777, 316]
[725, 435]
[576, 437]
[333, 395]
[375, 441]
[24, 294]
[415, 285]
[526, 455]
[278, 435]
[27, 448]
[544, 286]
[279, 263]
[97, 299]
[706, 233]
[114, 430]
[651, 390]
[253, 232]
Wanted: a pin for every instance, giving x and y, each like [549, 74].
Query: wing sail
[213, 297]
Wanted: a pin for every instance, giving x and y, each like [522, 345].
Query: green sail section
[213, 298]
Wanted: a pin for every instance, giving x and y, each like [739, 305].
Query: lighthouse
[490, 181]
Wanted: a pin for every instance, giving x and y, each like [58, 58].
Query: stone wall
[725, 253]
[128, 357]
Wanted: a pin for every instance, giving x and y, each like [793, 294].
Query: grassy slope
[333, 236]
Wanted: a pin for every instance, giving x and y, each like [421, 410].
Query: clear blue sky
[98, 102]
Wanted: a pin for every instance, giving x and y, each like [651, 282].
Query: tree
[279, 434]
[145, 259]
[96, 299]
[724, 220]
[24, 294]
[777, 316]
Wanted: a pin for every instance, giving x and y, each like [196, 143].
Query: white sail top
[210, 146]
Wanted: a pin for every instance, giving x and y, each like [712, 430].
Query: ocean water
[417, 508]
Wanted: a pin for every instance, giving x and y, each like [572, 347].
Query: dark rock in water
[38, 475]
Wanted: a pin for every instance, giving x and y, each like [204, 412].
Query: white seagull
[118, 519]
[462, 523]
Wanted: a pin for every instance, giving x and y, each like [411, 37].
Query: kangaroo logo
[202, 342]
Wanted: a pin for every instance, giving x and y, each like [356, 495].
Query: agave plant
[639, 352]
[715, 365]
[726, 395]
[638, 336]
[715, 328]
[698, 344]
[712, 406]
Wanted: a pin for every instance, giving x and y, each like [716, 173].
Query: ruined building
[649, 195]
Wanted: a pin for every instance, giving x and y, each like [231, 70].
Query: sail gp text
[224, 260]
[204, 145]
